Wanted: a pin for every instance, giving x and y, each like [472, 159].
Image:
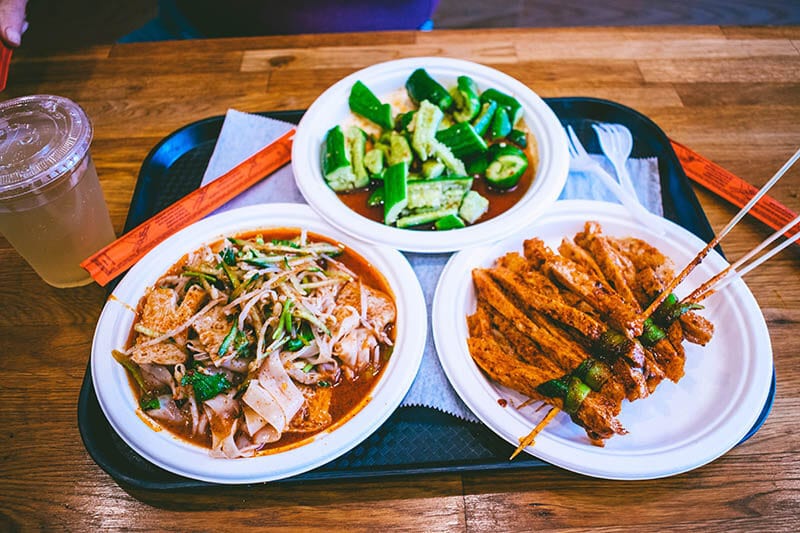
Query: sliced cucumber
[509, 103]
[453, 164]
[395, 192]
[376, 197]
[463, 141]
[466, 100]
[425, 217]
[336, 166]
[449, 222]
[432, 169]
[477, 166]
[473, 207]
[435, 193]
[508, 164]
[399, 149]
[374, 161]
[482, 122]
[501, 125]
[424, 194]
[518, 137]
[403, 120]
[356, 140]
[424, 125]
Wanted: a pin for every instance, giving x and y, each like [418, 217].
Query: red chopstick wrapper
[5, 62]
[733, 188]
[123, 253]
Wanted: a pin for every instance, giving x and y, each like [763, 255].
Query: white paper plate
[171, 453]
[681, 426]
[331, 108]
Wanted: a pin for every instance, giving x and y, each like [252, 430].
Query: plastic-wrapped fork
[616, 142]
[580, 160]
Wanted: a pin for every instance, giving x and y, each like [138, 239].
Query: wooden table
[732, 94]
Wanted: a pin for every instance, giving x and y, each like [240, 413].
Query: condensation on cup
[52, 209]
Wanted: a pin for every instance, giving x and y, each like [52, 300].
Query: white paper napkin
[244, 134]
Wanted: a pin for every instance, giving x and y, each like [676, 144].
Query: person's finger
[12, 21]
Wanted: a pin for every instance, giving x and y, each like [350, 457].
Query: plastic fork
[580, 160]
[616, 142]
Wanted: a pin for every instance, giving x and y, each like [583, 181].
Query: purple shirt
[253, 17]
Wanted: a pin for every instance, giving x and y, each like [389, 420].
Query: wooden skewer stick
[526, 441]
[721, 235]
[705, 290]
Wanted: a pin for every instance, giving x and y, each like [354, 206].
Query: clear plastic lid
[42, 138]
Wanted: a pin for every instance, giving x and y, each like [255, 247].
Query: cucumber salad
[422, 164]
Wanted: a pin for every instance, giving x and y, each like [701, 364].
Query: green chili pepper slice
[555, 388]
[577, 391]
[611, 345]
[651, 333]
[671, 310]
[593, 372]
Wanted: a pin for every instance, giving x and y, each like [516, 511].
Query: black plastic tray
[413, 440]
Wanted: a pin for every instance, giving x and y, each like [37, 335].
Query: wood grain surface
[732, 94]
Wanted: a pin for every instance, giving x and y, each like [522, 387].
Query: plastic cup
[52, 208]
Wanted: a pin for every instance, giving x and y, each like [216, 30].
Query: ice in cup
[52, 208]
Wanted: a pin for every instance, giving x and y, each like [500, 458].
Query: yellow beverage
[69, 225]
[52, 208]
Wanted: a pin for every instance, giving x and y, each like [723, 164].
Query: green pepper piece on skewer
[671, 310]
[611, 345]
[593, 372]
[577, 391]
[554, 388]
[651, 333]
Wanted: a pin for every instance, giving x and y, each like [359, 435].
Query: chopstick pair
[706, 288]
[749, 261]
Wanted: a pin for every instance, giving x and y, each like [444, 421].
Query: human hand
[12, 21]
